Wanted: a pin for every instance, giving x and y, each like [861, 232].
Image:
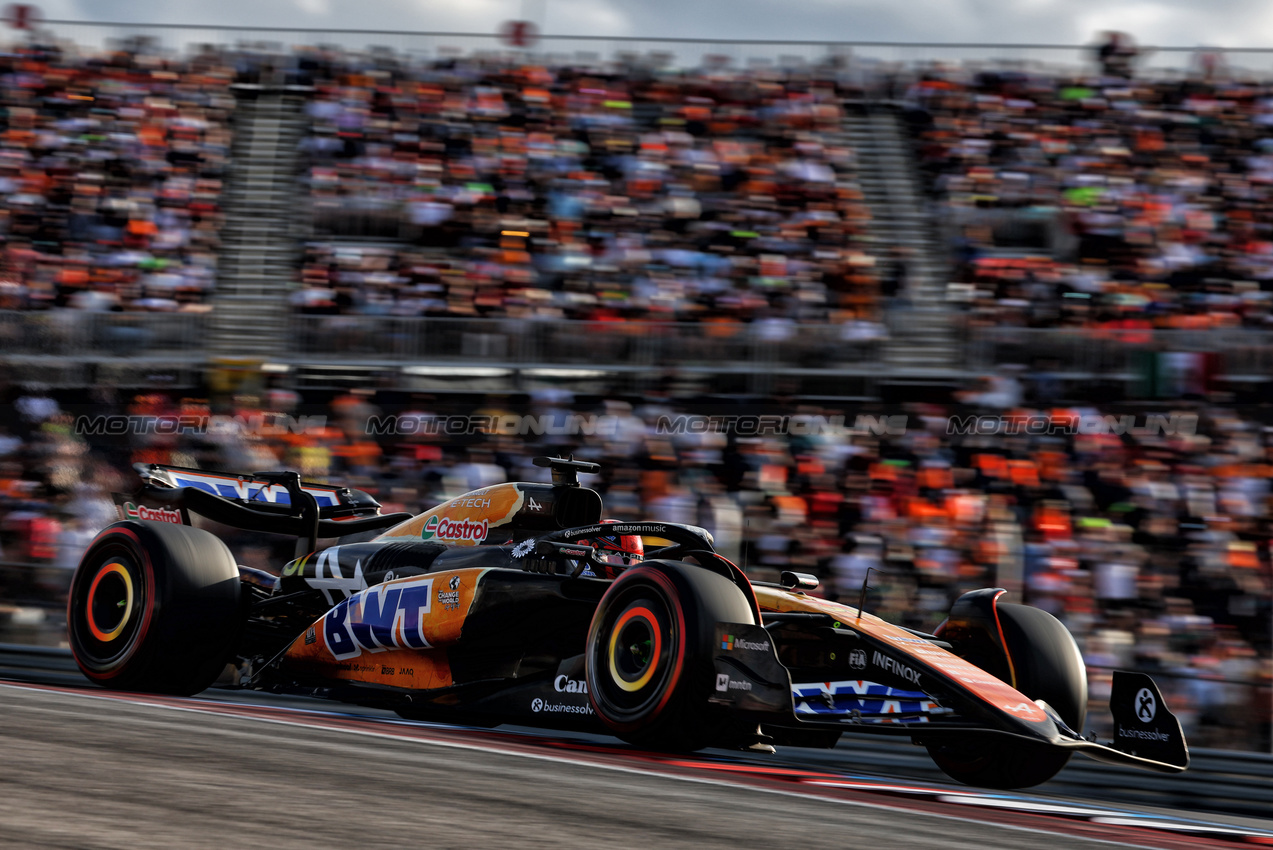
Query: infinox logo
[133, 511]
[444, 528]
[895, 667]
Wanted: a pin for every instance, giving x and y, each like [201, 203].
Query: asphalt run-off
[150, 771]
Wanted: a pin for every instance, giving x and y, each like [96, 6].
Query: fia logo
[722, 682]
[857, 659]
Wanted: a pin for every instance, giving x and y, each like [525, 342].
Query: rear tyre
[650, 656]
[1047, 666]
[154, 607]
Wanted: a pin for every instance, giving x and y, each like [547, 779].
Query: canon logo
[565, 685]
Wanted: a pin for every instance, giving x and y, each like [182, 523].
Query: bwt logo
[379, 618]
[782, 425]
[1041, 424]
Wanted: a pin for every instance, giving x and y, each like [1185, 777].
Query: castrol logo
[134, 511]
[465, 530]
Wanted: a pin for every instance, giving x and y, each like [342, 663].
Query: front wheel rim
[635, 647]
[634, 659]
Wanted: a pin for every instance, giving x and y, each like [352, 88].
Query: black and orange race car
[519, 603]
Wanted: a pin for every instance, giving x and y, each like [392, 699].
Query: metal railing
[634, 343]
[637, 344]
[67, 332]
[1091, 351]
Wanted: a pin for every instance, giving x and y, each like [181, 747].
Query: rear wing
[270, 502]
[260, 489]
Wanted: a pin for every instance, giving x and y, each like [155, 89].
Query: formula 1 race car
[519, 603]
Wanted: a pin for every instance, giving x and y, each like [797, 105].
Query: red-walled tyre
[154, 607]
[650, 656]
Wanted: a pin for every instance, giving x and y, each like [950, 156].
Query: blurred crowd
[1153, 548]
[576, 193]
[1105, 201]
[475, 187]
[111, 169]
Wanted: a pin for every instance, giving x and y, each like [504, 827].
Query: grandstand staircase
[922, 341]
[262, 233]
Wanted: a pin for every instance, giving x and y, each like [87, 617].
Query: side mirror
[798, 581]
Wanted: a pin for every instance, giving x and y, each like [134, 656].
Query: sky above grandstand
[1182, 23]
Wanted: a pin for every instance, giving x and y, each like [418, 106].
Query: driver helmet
[617, 552]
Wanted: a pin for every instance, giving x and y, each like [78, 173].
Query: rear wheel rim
[108, 606]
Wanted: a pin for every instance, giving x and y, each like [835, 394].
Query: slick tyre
[650, 655]
[1045, 664]
[154, 607]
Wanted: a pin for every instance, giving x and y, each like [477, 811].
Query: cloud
[1186, 23]
[314, 7]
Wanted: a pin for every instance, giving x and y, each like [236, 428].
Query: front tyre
[650, 656]
[1045, 664]
[154, 607]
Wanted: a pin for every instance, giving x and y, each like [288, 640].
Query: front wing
[751, 679]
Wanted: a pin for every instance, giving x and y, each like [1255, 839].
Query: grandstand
[756, 213]
[744, 312]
